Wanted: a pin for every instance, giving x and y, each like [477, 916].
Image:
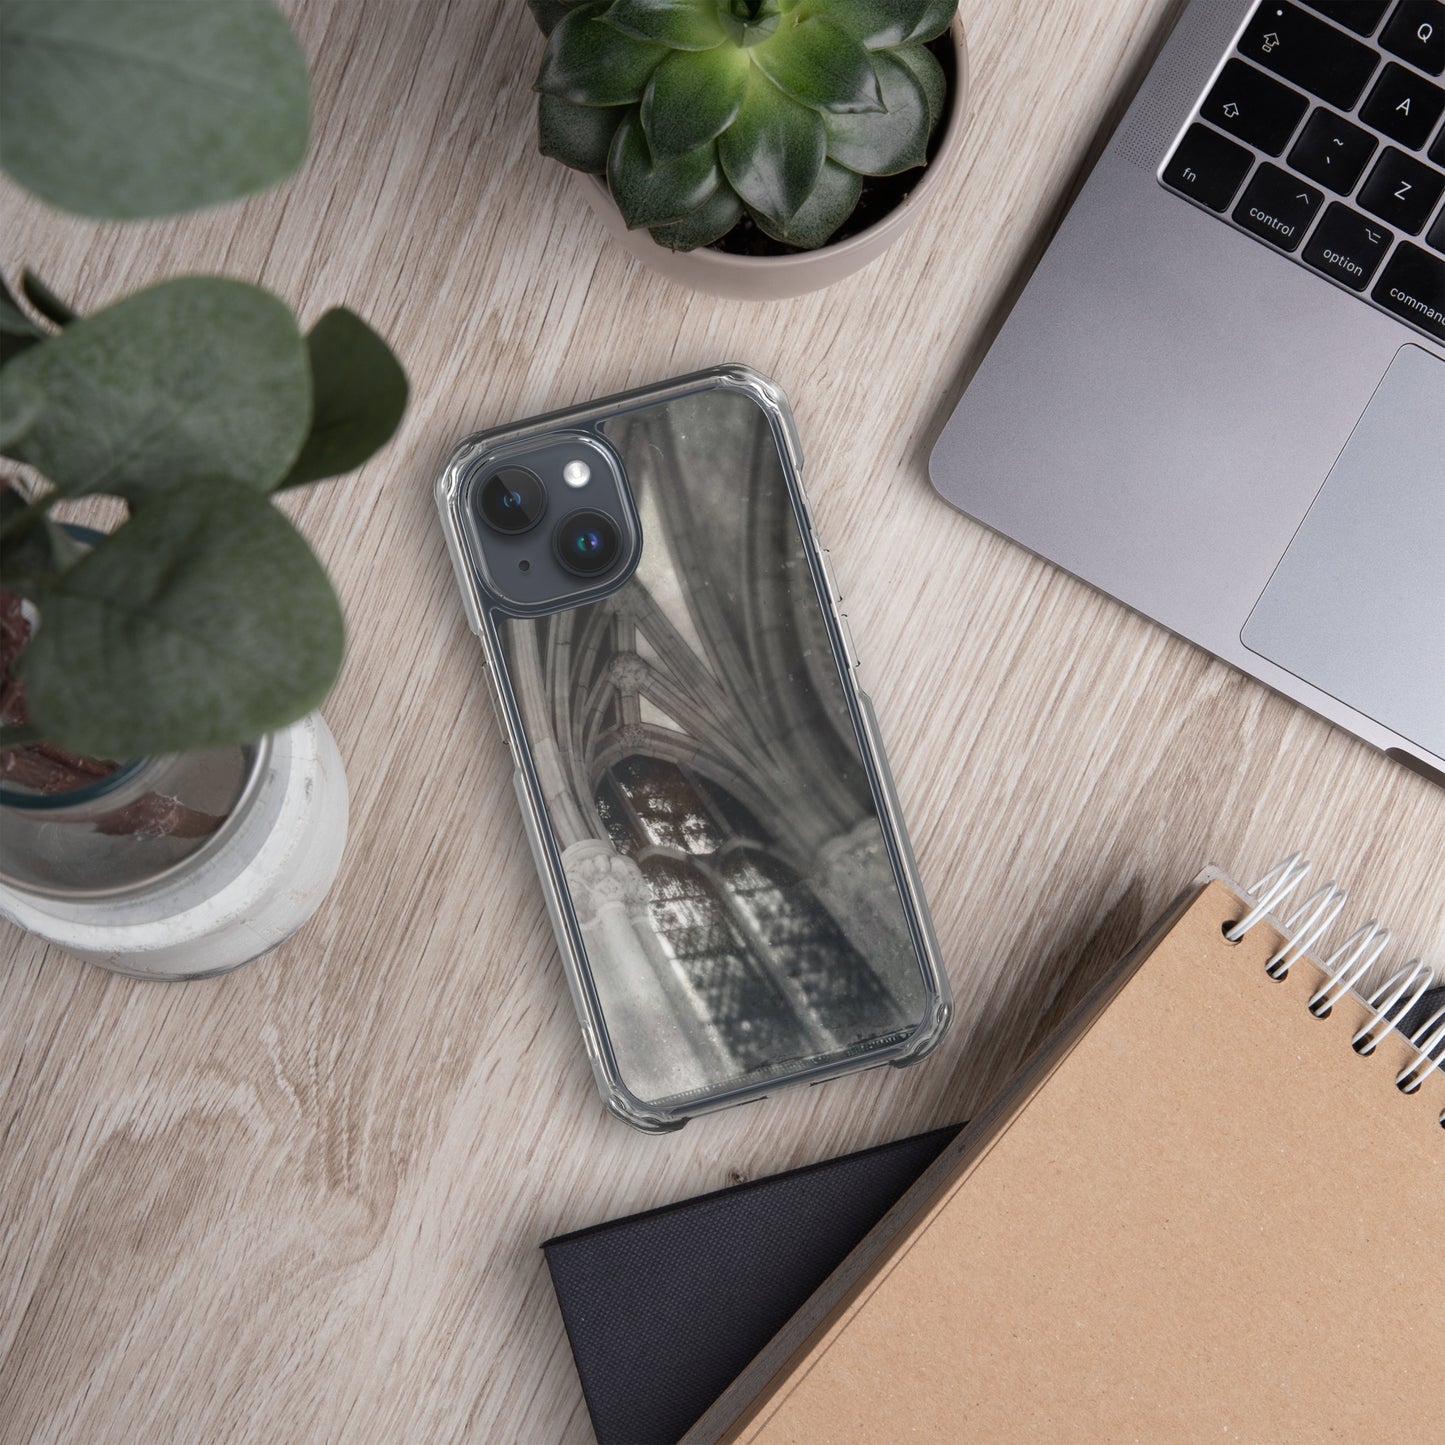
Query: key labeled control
[1278, 207]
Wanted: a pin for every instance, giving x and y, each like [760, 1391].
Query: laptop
[1220, 398]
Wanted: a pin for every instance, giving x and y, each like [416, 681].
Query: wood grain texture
[303, 1202]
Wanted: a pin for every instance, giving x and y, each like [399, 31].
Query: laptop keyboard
[1323, 135]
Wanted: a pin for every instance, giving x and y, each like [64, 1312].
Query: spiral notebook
[1210, 1209]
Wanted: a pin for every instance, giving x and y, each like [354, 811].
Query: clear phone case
[700, 773]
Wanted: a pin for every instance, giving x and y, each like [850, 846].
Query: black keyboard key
[1403, 105]
[1304, 49]
[1332, 151]
[1347, 246]
[1207, 167]
[1260, 111]
[1361, 16]
[1435, 236]
[1401, 191]
[1413, 287]
[1278, 206]
[1416, 32]
[1437, 148]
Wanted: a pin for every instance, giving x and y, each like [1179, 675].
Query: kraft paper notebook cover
[1200, 1214]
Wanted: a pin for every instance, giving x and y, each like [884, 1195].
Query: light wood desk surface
[303, 1202]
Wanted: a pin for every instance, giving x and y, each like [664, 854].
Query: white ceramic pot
[227, 898]
[774, 278]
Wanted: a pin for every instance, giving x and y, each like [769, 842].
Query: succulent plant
[699, 111]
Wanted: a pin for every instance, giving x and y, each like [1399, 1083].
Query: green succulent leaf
[590, 62]
[17, 333]
[128, 108]
[830, 204]
[678, 24]
[203, 621]
[820, 65]
[883, 145]
[651, 194]
[45, 301]
[936, 17]
[693, 97]
[929, 74]
[577, 135]
[749, 22]
[876, 23]
[772, 153]
[713, 219]
[548, 12]
[358, 396]
[195, 377]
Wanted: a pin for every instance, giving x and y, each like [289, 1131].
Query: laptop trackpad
[1356, 606]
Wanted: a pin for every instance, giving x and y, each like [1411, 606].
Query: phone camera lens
[587, 543]
[513, 500]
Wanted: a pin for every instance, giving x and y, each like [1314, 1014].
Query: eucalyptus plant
[701, 111]
[203, 619]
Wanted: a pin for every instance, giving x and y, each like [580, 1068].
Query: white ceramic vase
[195, 908]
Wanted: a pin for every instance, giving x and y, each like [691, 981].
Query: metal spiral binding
[1346, 966]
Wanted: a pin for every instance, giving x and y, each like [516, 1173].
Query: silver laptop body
[1218, 436]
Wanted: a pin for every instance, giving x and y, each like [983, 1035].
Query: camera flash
[576, 474]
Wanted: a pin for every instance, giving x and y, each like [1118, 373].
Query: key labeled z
[1400, 194]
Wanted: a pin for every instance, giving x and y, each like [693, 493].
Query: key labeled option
[1413, 287]
[1260, 111]
[1207, 167]
[1278, 207]
[1348, 246]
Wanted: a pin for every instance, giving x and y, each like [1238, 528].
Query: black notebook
[664, 1308]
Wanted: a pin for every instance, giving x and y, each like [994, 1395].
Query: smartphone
[698, 767]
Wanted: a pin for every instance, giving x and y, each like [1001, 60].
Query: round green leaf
[714, 218]
[577, 135]
[651, 195]
[936, 18]
[590, 62]
[820, 65]
[678, 24]
[883, 145]
[358, 396]
[876, 23]
[772, 153]
[203, 621]
[693, 97]
[130, 108]
[194, 377]
[929, 74]
[830, 204]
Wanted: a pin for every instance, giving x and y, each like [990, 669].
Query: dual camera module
[586, 542]
[552, 521]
